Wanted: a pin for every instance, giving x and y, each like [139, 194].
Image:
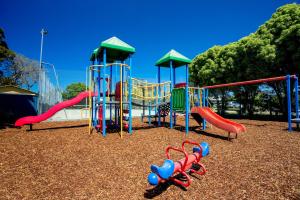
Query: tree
[7, 77]
[16, 69]
[28, 69]
[283, 31]
[73, 90]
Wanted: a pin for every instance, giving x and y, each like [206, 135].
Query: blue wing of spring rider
[205, 149]
[165, 171]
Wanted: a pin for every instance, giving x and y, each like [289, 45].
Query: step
[126, 118]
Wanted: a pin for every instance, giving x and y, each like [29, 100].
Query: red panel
[118, 91]
[179, 85]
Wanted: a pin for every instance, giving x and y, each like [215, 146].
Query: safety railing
[143, 90]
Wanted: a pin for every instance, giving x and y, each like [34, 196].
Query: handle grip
[192, 143]
[178, 150]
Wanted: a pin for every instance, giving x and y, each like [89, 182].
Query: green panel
[178, 99]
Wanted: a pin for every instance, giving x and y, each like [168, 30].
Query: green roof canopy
[116, 49]
[177, 58]
[93, 56]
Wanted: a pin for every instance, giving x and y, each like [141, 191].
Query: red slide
[217, 120]
[36, 119]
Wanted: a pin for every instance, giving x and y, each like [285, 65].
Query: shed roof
[13, 90]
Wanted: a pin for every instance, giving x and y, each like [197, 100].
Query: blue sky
[76, 27]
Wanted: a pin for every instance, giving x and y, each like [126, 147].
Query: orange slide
[216, 120]
[36, 119]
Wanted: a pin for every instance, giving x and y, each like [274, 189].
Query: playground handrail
[143, 90]
[250, 82]
[111, 64]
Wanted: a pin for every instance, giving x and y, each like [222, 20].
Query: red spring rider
[170, 168]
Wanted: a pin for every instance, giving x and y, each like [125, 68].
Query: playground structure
[170, 169]
[113, 92]
[128, 90]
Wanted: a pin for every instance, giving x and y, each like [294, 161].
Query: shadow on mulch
[54, 128]
[194, 129]
[4, 125]
[256, 117]
[200, 132]
[160, 188]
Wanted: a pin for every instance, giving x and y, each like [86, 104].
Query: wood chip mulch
[60, 160]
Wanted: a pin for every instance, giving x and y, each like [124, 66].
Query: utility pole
[43, 32]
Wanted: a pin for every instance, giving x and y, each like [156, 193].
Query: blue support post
[187, 106]
[297, 100]
[155, 91]
[110, 98]
[159, 94]
[124, 81]
[130, 97]
[171, 88]
[104, 94]
[149, 114]
[198, 96]
[203, 103]
[174, 82]
[206, 97]
[115, 105]
[98, 81]
[116, 116]
[289, 104]
[92, 106]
